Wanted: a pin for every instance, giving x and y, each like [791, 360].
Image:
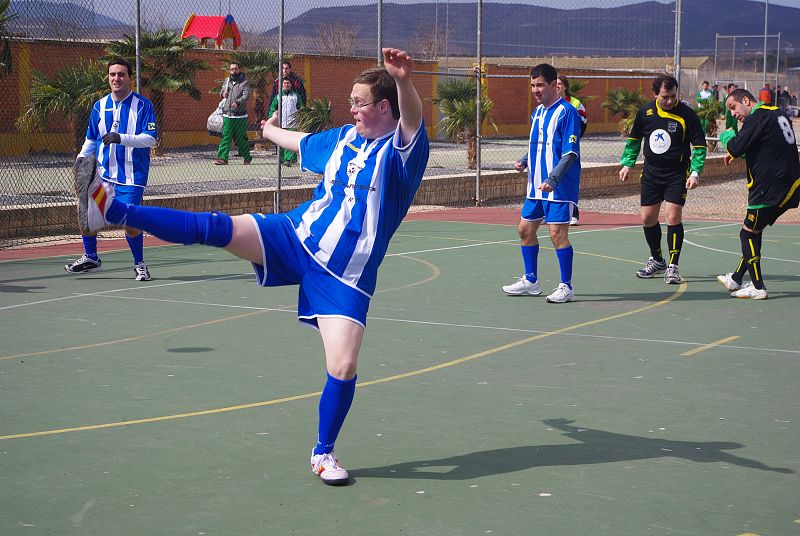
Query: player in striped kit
[331, 245]
[553, 182]
[122, 129]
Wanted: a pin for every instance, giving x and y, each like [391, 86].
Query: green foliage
[458, 105]
[456, 89]
[710, 110]
[625, 102]
[165, 68]
[5, 38]
[315, 117]
[72, 92]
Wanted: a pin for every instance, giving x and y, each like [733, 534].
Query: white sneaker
[94, 199]
[728, 282]
[561, 294]
[574, 221]
[141, 271]
[672, 276]
[326, 466]
[749, 292]
[522, 287]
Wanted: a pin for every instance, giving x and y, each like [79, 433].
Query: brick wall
[441, 190]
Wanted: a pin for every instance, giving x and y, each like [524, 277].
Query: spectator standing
[765, 95]
[296, 81]
[563, 91]
[730, 121]
[703, 95]
[236, 93]
[290, 103]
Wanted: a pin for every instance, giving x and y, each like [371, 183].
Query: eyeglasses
[358, 106]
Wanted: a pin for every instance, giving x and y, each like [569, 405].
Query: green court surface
[187, 405]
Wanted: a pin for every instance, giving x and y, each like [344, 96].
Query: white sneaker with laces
[728, 282]
[749, 292]
[141, 271]
[522, 287]
[651, 269]
[561, 294]
[574, 221]
[94, 199]
[84, 265]
[672, 276]
[326, 466]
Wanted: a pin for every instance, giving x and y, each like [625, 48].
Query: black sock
[653, 237]
[751, 251]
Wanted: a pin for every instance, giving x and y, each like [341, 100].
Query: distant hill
[523, 30]
[37, 18]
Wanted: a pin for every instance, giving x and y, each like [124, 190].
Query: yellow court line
[710, 345]
[679, 291]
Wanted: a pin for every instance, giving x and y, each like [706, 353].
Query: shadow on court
[596, 446]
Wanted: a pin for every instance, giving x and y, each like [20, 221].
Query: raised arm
[400, 66]
[288, 139]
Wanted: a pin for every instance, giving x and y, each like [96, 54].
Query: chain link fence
[56, 63]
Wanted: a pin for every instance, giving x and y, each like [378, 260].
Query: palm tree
[458, 105]
[164, 68]
[708, 112]
[315, 117]
[625, 102]
[262, 68]
[72, 92]
[5, 40]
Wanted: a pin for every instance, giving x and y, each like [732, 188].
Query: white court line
[100, 293]
[467, 326]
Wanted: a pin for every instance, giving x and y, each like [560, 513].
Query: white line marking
[468, 326]
[736, 253]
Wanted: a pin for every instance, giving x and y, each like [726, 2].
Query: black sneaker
[84, 265]
[652, 268]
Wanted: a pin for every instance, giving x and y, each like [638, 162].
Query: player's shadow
[594, 446]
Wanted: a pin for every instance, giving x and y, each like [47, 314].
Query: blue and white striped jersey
[365, 192]
[120, 163]
[555, 132]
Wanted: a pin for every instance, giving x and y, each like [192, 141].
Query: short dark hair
[286, 79]
[731, 85]
[739, 94]
[705, 81]
[236, 63]
[287, 63]
[546, 71]
[382, 86]
[565, 83]
[123, 62]
[666, 81]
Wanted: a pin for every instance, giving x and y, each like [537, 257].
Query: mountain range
[643, 29]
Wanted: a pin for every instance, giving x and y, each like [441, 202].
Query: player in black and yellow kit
[767, 142]
[669, 129]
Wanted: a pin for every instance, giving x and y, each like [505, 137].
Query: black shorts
[663, 185]
[758, 219]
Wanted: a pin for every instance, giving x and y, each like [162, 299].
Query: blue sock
[136, 243]
[176, 226]
[337, 396]
[90, 246]
[530, 257]
[565, 264]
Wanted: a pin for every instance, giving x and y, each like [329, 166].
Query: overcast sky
[251, 15]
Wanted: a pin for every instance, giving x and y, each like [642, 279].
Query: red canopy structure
[216, 28]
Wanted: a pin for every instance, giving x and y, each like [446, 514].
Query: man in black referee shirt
[773, 182]
[669, 129]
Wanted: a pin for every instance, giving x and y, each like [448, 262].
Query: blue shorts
[286, 262]
[549, 211]
[128, 194]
